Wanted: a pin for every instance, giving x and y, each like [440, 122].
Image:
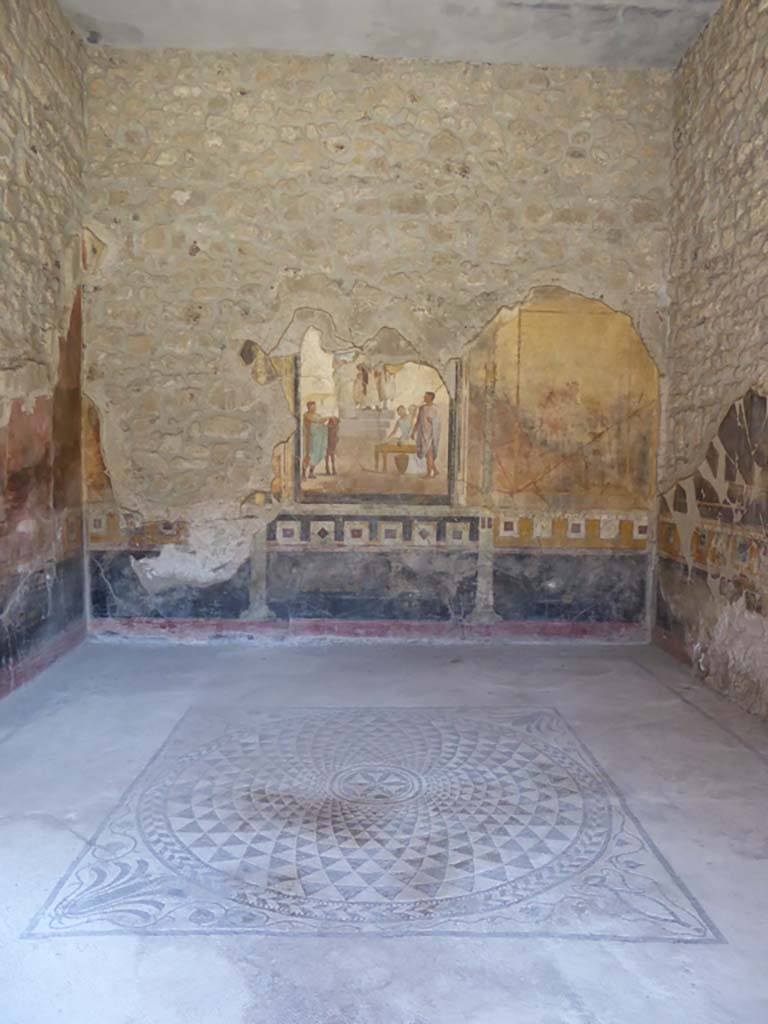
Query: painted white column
[484, 612]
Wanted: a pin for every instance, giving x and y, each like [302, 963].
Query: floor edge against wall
[29, 667]
[279, 630]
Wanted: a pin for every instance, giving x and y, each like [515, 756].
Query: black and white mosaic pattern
[382, 821]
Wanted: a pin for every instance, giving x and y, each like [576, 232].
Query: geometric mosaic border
[380, 821]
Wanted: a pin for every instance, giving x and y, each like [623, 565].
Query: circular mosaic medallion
[375, 783]
[347, 816]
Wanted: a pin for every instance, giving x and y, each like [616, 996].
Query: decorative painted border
[107, 529]
[335, 531]
[577, 531]
[593, 529]
[714, 546]
[511, 529]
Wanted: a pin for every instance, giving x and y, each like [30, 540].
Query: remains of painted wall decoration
[372, 426]
[561, 409]
[560, 418]
[713, 550]
[712, 542]
[42, 148]
[719, 229]
[544, 515]
[41, 527]
[276, 231]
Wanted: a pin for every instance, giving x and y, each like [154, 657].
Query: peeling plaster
[213, 553]
[42, 198]
[719, 217]
[716, 610]
[393, 207]
[223, 530]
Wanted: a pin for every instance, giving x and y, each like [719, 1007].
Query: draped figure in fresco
[426, 432]
[315, 439]
[360, 387]
[401, 428]
[331, 445]
[344, 382]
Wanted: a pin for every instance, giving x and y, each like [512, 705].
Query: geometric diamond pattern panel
[376, 820]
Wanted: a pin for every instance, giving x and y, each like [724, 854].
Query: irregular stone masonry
[234, 200]
[713, 570]
[42, 152]
[719, 260]
[239, 197]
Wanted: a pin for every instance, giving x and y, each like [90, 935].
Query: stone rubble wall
[719, 228]
[713, 570]
[42, 154]
[241, 198]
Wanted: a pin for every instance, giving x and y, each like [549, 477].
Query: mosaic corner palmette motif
[374, 821]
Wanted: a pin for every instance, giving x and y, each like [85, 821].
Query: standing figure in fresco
[389, 387]
[344, 377]
[416, 466]
[330, 450]
[315, 439]
[402, 426]
[380, 383]
[426, 431]
[401, 435]
[360, 387]
[375, 384]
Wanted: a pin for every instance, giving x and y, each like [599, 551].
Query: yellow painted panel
[574, 410]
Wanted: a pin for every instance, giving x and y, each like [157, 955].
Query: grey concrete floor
[691, 767]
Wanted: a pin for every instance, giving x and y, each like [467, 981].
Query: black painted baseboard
[38, 607]
[407, 585]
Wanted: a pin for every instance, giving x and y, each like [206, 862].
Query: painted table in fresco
[400, 450]
[382, 821]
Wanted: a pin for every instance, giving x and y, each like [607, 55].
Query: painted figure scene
[371, 428]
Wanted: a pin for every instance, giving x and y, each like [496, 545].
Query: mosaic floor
[384, 821]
